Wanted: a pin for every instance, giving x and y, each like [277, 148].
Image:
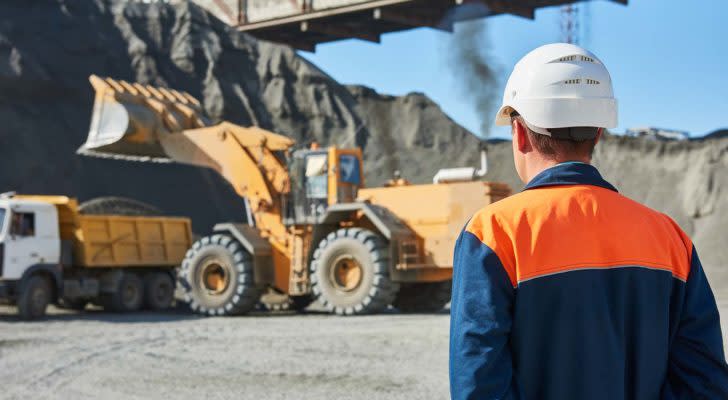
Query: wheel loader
[312, 231]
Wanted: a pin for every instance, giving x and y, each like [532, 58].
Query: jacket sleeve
[480, 323]
[697, 367]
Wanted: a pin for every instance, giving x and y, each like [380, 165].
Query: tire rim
[214, 277]
[38, 299]
[162, 293]
[130, 294]
[346, 273]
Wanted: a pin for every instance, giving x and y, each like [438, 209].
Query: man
[569, 290]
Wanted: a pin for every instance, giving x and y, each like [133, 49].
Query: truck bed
[130, 241]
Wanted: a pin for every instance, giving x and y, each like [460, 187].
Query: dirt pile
[48, 50]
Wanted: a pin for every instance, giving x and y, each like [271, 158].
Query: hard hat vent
[572, 81]
[577, 57]
[592, 82]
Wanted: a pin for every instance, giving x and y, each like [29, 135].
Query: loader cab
[320, 178]
[28, 236]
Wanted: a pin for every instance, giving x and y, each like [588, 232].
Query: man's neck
[537, 166]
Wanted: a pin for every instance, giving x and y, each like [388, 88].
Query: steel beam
[409, 19]
[339, 31]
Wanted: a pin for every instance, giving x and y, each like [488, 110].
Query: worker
[569, 290]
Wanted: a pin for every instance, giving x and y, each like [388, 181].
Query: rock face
[48, 50]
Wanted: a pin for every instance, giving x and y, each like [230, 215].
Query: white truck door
[28, 241]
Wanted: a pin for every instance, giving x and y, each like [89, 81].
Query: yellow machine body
[142, 122]
[436, 213]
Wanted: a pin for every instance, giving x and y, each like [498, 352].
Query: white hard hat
[560, 85]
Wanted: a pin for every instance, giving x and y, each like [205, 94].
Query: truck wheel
[117, 206]
[34, 297]
[158, 291]
[350, 273]
[423, 297]
[217, 276]
[129, 294]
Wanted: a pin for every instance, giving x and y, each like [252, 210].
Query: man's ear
[520, 135]
[599, 135]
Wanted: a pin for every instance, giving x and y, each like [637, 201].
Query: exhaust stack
[465, 174]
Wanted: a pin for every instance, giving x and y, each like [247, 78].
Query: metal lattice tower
[570, 23]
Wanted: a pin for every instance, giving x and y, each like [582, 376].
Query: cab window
[316, 176]
[23, 224]
[349, 166]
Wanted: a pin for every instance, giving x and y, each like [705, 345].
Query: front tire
[34, 298]
[350, 273]
[217, 276]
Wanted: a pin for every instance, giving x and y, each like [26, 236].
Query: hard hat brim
[562, 112]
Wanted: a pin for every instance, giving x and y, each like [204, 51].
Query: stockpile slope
[410, 134]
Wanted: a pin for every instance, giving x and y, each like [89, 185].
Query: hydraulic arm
[143, 122]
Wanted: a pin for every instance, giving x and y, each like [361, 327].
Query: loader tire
[217, 277]
[117, 206]
[128, 295]
[158, 291]
[34, 298]
[350, 273]
[423, 297]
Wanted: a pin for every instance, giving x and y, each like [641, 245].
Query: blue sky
[668, 60]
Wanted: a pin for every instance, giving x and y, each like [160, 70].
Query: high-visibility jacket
[571, 291]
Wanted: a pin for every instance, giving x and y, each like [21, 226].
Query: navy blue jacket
[571, 291]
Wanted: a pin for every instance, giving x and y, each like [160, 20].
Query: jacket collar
[569, 173]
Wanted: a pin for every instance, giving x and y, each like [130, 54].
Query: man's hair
[559, 148]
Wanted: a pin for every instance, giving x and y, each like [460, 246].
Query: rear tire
[217, 277]
[350, 273]
[34, 298]
[158, 291]
[423, 297]
[128, 296]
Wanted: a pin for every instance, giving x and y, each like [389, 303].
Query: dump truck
[53, 251]
[311, 230]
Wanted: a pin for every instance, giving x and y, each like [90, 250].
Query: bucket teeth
[129, 119]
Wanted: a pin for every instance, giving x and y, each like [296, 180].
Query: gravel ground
[179, 356]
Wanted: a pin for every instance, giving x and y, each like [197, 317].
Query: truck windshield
[2, 218]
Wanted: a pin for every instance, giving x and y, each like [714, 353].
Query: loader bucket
[129, 119]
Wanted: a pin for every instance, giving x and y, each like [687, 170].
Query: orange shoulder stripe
[562, 228]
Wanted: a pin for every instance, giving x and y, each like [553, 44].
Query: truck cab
[30, 252]
[28, 237]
